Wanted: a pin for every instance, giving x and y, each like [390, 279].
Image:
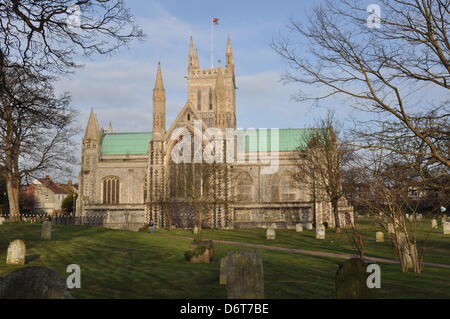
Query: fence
[56, 219]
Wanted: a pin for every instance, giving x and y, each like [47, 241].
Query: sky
[119, 87]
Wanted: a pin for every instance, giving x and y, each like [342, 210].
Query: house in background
[46, 196]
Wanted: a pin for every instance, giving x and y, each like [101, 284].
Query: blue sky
[119, 87]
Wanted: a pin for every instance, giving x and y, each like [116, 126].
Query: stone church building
[126, 178]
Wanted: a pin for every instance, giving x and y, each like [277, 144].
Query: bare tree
[320, 165]
[38, 41]
[195, 192]
[35, 132]
[384, 71]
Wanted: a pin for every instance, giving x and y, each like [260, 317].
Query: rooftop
[256, 140]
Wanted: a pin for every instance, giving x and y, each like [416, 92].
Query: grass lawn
[121, 264]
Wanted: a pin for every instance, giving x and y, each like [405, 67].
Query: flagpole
[212, 43]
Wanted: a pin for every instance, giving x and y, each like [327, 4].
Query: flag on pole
[215, 21]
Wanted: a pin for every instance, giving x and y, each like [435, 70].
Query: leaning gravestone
[46, 231]
[270, 234]
[447, 228]
[309, 226]
[16, 253]
[379, 237]
[242, 271]
[320, 232]
[33, 283]
[434, 223]
[351, 280]
[298, 228]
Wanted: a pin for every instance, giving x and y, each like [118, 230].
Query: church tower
[202, 89]
[89, 157]
[156, 173]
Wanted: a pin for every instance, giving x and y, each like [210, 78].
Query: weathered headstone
[274, 226]
[195, 230]
[201, 252]
[46, 231]
[223, 269]
[320, 232]
[419, 217]
[243, 274]
[407, 216]
[270, 234]
[2, 220]
[446, 228]
[33, 283]
[309, 226]
[379, 237]
[391, 229]
[434, 223]
[444, 219]
[351, 280]
[298, 228]
[16, 253]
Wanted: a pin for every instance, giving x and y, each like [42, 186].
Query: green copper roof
[281, 140]
[125, 143]
[137, 143]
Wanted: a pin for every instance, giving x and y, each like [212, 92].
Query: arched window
[244, 187]
[199, 100]
[111, 190]
[288, 192]
[274, 188]
[210, 99]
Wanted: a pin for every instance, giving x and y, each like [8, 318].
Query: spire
[196, 61]
[191, 56]
[92, 128]
[159, 84]
[159, 105]
[110, 129]
[229, 54]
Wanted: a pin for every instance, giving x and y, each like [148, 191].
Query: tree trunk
[13, 188]
[337, 223]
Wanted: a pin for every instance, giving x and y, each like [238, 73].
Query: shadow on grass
[30, 258]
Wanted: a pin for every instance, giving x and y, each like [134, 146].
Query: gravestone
[298, 228]
[419, 217]
[447, 228]
[195, 230]
[391, 229]
[33, 283]
[320, 232]
[46, 231]
[434, 223]
[274, 226]
[16, 253]
[309, 226]
[407, 216]
[223, 269]
[379, 237]
[201, 252]
[2, 220]
[243, 274]
[270, 234]
[351, 280]
[444, 219]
